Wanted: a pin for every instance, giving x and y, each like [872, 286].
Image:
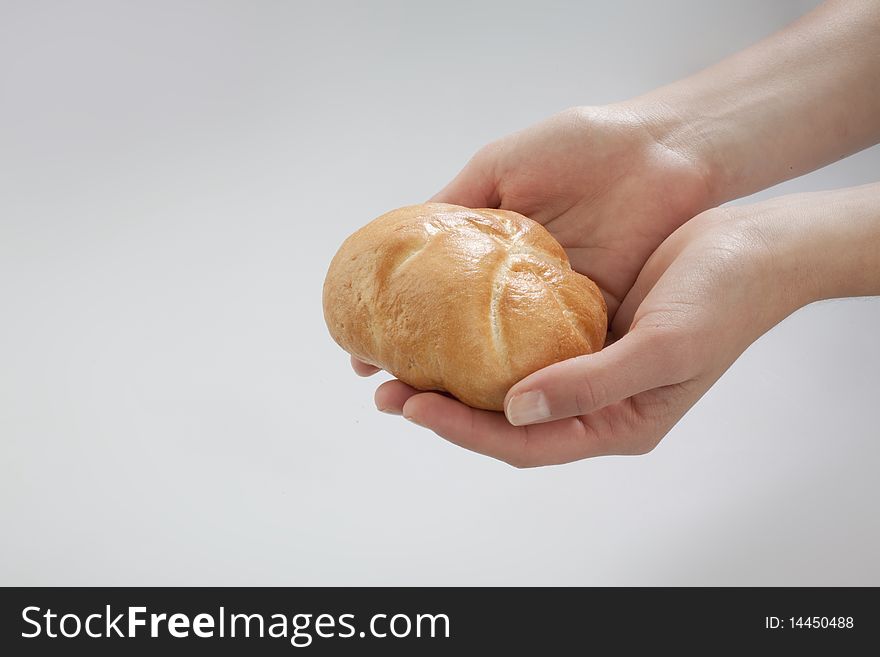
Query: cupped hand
[602, 181]
[599, 179]
[706, 293]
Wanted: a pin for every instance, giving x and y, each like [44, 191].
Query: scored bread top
[466, 301]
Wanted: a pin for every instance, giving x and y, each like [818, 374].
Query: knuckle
[656, 339]
[676, 348]
[485, 154]
[589, 395]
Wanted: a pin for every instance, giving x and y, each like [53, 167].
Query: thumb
[475, 186]
[639, 361]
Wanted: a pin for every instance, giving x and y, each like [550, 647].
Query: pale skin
[631, 191]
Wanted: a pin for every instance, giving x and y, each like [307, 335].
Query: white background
[174, 179]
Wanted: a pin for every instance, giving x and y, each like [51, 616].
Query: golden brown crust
[467, 301]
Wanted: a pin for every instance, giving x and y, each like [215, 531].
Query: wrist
[783, 107]
[676, 129]
[817, 246]
[844, 242]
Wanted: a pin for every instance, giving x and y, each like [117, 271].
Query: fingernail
[527, 407]
[389, 411]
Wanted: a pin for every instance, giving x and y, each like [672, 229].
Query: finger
[641, 360]
[361, 368]
[651, 272]
[489, 433]
[626, 311]
[392, 395]
[475, 186]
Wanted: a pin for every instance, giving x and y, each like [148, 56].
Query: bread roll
[465, 301]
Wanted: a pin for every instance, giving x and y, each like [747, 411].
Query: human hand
[599, 179]
[705, 295]
[611, 183]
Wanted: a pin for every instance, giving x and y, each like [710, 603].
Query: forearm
[841, 242]
[802, 98]
[820, 245]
